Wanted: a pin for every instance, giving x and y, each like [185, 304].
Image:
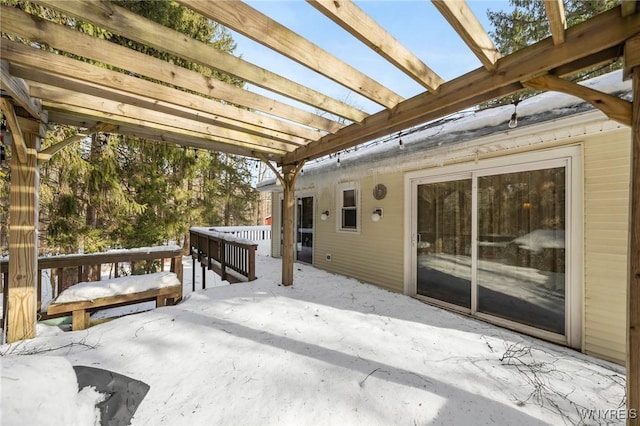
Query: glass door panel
[444, 241]
[521, 247]
[304, 230]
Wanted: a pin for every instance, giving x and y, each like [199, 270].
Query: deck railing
[66, 270]
[228, 255]
[253, 233]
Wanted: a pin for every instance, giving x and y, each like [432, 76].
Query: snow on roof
[454, 130]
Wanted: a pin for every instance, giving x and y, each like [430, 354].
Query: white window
[348, 205]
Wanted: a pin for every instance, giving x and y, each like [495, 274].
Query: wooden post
[222, 245]
[176, 267]
[289, 175]
[251, 272]
[632, 69]
[288, 180]
[633, 289]
[204, 277]
[23, 241]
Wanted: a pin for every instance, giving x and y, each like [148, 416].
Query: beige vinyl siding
[606, 207]
[375, 253]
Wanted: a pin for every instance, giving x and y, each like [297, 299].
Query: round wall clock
[379, 191]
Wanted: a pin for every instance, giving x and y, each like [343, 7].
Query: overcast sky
[416, 24]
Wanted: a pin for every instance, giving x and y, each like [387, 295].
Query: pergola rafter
[134, 94]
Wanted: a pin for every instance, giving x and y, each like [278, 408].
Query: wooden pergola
[176, 105]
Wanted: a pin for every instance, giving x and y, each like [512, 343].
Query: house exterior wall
[606, 224]
[376, 253]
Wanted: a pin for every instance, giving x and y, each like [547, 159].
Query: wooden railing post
[193, 273]
[176, 267]
[223, 260]
[252, 262]
[59, 275]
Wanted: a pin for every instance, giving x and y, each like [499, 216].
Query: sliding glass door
[521, 247]
[492, 242]
[443, 248]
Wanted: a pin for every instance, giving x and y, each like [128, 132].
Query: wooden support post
[80, 320]
[288, 180]
[633, 289]
[632, 69]
[288, 216]
[20, 316]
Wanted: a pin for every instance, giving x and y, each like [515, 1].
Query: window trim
[340, 189]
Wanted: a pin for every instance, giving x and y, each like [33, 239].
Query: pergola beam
[613, 107]
[557, 20]
[19, 144]
[128, 24]
[583, 40]
[469, 28]
[18, 90]
[136, 128]
[33, 28]
[41, 81]
[47, 153]
[54, 97]
[251, 23]
[41, 67]
[360, 25]
[142, 119]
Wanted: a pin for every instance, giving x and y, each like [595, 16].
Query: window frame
[571, 158]
[340, 190]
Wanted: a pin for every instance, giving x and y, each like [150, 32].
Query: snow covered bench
[84, 298]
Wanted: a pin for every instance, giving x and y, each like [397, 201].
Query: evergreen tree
[155, 174]
[112, 190]
[526, 23]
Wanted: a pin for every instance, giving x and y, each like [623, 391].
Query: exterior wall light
[324, 215]
[376, 215]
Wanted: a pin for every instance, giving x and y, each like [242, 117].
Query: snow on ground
[327, 350]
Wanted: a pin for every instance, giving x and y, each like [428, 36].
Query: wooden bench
[81, 309]
[60, 270]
